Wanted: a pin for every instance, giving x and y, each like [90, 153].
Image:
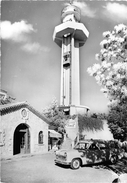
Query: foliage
[6, 99]
[117, 121]
[56, 116]
[111, 74]
[89, 123]
[102, 116]
[124, 146]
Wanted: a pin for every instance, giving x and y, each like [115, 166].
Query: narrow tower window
[66, 61]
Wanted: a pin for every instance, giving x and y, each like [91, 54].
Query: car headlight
[65, 154]
[56, 153]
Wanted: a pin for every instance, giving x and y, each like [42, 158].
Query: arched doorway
[21, 143]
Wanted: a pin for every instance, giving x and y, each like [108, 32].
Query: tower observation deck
[70, 35]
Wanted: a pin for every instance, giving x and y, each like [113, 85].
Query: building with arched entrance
[23, 130]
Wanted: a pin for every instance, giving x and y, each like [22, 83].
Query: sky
[31, 61]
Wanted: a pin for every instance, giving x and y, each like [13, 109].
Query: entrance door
[21, 140]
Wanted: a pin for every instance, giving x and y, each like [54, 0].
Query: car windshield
[81, 146]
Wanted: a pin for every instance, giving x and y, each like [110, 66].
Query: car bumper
[62, 162]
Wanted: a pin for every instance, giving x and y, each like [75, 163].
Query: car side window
[93, 147]
[87, 146]
[82, 146]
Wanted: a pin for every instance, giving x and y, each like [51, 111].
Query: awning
[54, 134]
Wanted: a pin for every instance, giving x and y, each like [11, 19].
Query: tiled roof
[11, 107]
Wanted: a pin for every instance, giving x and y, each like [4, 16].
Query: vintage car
[88, 152]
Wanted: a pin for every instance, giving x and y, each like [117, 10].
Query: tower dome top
[70, 13]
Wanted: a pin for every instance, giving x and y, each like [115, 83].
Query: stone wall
[8, 124]
[36, 125]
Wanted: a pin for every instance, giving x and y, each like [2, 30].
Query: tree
[57, 117]
[111, 72]
[5, 98]
[117, 121]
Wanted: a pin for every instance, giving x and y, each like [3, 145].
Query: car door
[93, 154]
[104, 151]
[82, 150]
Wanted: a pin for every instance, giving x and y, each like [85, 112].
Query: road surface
[41, 169]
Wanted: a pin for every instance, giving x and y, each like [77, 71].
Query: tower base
[72, 128]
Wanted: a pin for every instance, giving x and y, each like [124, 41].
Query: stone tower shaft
[70, 35]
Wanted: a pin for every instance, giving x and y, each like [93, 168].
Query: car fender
[78, 155]
[73, 155]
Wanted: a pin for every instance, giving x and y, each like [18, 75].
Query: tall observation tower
[70, 35]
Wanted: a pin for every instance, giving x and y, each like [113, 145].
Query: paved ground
[41, 169]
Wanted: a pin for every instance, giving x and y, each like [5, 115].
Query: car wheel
[113, 159]
[75, 164]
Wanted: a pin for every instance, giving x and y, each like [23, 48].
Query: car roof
[84, 141]
[92, 140]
